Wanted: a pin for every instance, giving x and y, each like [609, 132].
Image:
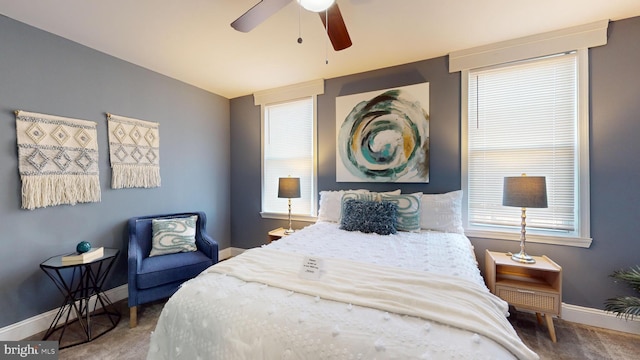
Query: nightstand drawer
[540, 301]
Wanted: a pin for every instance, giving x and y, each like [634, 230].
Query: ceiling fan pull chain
[326, 40]
[299, 25]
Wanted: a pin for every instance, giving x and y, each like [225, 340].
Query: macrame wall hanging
[57, 160]
[134, 152]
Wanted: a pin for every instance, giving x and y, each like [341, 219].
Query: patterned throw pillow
[331, 204]
[173, 235]
[408, 210]
[393, 192]
[369, 217]
[442, 212]
[356, 195]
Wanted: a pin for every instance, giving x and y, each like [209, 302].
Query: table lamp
[524, 192]
[289, 187]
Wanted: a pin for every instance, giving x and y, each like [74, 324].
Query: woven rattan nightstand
[536, 287]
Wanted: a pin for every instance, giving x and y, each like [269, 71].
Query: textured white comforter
[255, 307]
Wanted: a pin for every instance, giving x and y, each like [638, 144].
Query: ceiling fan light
[316, 5]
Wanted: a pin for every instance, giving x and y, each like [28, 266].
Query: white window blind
[523, 118]
[289, 151]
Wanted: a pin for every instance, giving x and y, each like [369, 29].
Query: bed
[327, 293]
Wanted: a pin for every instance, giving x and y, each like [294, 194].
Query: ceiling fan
[327, 9]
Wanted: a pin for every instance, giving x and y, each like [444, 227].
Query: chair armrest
[134, 256]
[207, 245]
[204, 242]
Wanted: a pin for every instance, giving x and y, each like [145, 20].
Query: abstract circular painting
[384, 136]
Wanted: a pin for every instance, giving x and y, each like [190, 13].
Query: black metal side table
[81, 286]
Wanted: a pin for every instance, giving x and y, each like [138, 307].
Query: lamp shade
[288, 187]
[525, 191]
[316, 5]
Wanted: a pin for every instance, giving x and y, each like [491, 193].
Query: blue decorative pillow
[356, 195]
[369, 216]
[408, 210]
[173, 235]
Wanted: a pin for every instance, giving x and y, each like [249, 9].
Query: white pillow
[331, 204]
[442, 212]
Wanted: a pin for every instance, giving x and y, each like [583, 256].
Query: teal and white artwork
[383, 136]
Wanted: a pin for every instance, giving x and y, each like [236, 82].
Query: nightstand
[536, 287]
[276, 234]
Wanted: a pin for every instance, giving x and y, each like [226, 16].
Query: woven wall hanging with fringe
[134, 152]
[57, 160]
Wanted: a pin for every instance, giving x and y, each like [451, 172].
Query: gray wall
[44, 73]
[249, 229]
[615, 164]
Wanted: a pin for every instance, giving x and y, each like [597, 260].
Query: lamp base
[289, 231]
[522, 257]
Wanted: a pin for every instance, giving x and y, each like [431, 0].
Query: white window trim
[574, 39]
[290, 93]
[553, 42]
[285, 216]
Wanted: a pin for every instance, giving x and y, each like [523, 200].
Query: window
[524, 109]
[525, 117]
[289, 148]
[288, 151]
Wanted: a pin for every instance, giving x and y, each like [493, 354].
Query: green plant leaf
[630, 276]
[624, 306]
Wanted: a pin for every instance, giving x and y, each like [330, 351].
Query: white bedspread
[256, 307]
[430, 251]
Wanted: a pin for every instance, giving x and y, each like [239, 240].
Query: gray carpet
[575, 341]
[121, 343]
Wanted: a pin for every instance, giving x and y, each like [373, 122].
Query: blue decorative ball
[83, 247]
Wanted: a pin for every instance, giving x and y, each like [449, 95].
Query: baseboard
[230, 252]
[40, 323]
[225, 253]
[599, 318]
[572, 313]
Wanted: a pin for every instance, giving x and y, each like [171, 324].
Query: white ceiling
[192, 41]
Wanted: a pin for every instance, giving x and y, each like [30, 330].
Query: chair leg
[133, 317]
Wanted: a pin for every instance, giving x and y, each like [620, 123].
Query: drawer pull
[526, 291]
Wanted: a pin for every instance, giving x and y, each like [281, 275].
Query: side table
[276, 234]
[81, 285]
[536, 287]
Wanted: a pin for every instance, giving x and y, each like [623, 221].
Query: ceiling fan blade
[257, 14]
[337, 30]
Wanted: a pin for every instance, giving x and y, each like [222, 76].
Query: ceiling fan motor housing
[316, 5]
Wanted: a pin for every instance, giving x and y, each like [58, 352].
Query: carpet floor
[575, 341]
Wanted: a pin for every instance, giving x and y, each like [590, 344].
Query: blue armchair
[158, 277]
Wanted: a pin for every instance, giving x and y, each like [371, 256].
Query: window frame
[582, 204]
[291, 93]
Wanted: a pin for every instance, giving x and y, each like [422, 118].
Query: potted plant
[626, 306]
